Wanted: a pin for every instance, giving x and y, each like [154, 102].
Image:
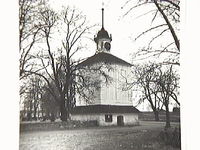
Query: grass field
[149, 116]
[143, 137]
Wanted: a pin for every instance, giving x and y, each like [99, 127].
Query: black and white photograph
[101, 75]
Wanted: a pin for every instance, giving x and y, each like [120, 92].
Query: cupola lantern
[103, 39]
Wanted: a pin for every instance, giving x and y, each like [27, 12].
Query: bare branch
[149, 30]
[169, 25]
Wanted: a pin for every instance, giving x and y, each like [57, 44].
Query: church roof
[102, 34]
[104, 109]
[104, 57]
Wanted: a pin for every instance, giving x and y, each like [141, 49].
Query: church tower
[109, 104]
[103, 40]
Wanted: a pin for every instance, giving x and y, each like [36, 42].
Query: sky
[123, 28]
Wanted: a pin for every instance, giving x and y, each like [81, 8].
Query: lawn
[143, 137]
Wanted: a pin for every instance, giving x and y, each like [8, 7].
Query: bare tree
[29, 28]
[32, 97]
[144, 81]
[170, 12]
[166, 81]
[168, 86]
[59, 64]
[157, 85]
[49, 106]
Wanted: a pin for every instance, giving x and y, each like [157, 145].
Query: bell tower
[102, 39]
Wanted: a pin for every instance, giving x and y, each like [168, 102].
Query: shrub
[171, 136]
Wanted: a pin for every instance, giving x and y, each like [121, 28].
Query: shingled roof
[104, 57]
[91, 109]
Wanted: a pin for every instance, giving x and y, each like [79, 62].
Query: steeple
[102, 17]
[102, 39]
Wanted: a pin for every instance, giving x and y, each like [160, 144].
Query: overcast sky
[123, 28]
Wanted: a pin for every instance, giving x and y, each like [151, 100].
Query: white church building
[112, 103]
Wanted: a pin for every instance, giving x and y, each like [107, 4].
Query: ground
[143, 137]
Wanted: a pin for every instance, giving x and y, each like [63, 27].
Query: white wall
[115, 93]
[129, 118]
[85, 117]
[103, 123]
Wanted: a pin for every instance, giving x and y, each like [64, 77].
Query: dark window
[108, 118]
[101, 45]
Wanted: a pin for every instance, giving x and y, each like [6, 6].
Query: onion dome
[102, 34]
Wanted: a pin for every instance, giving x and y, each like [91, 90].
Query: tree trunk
[52, 117]
[63, 111]
[35, 109]
[35, 114]
[30, 111]
[167, 116]
[156, 115]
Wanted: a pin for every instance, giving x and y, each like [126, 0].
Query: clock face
[107, 46]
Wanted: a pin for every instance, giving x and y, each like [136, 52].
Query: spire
[102, 39]
[102, 17]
